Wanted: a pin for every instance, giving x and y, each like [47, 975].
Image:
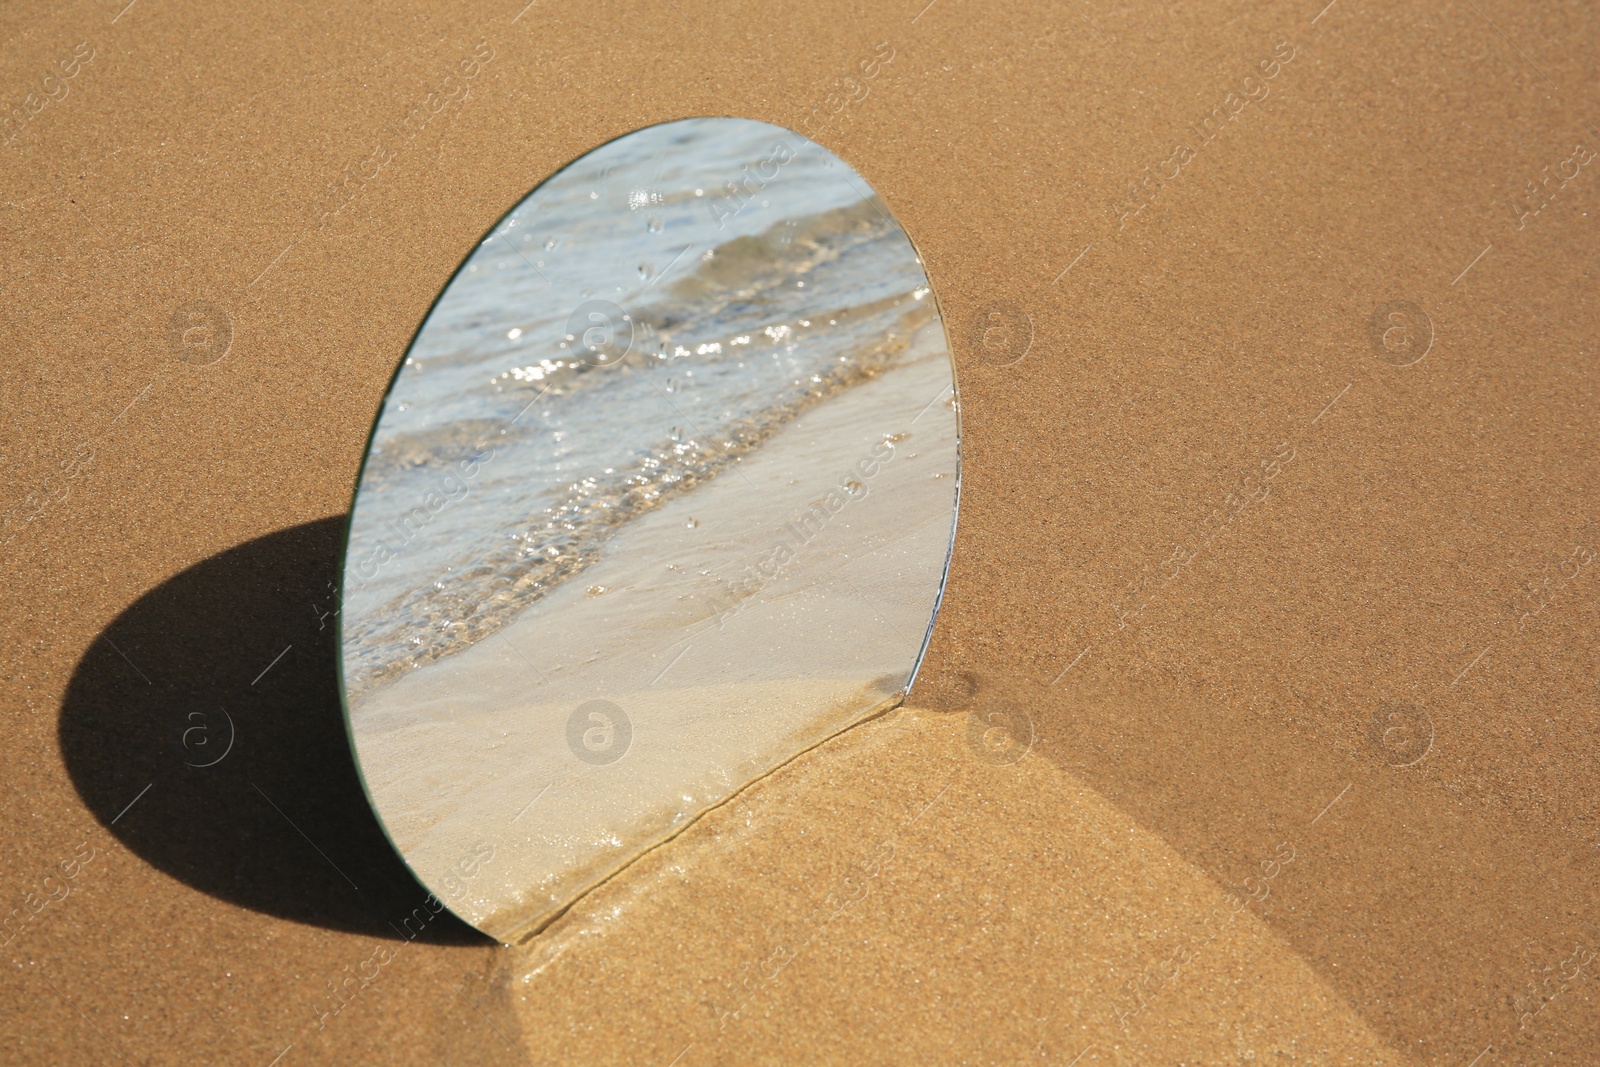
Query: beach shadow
[203, 728]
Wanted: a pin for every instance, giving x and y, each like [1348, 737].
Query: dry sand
[864, 904]
[1384, 658]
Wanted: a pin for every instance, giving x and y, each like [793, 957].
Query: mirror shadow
[203, 728]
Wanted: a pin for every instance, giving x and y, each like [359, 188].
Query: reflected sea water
[494, 476]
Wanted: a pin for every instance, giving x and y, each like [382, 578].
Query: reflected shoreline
[730, 427]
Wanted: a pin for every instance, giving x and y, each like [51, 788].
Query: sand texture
[1259, 724]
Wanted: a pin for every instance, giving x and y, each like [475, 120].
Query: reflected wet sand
[474, 753]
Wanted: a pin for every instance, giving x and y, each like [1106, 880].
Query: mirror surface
[662, 495]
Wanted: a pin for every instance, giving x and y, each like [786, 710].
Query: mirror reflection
[662, 495]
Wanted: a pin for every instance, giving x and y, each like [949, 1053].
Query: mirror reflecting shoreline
[662, 495]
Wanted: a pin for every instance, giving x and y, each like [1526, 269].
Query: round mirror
[662, 495]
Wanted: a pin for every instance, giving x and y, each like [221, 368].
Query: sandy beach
[1258, 724]
[889, 857]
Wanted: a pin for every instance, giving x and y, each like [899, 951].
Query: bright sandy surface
[1417, 551]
